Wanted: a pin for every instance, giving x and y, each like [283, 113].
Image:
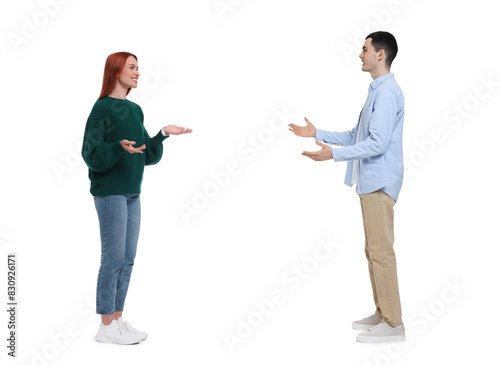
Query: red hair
[112, 68]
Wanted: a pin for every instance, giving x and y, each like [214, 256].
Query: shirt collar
[375, 83]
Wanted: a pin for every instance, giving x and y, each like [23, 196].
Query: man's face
[369, 57]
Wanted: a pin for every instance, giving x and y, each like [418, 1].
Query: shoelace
[381, 324]
[120, 329]
[126, 326]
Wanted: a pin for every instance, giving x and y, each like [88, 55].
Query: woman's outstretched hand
[129, 146]
[173, 129]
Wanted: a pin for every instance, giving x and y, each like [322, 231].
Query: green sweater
[112, 170]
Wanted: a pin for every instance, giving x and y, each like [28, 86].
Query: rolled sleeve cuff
[320, 135]
[336, 154]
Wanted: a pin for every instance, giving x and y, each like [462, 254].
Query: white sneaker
[114, 333]
[382, 332]
[365, 323]
[126, 326]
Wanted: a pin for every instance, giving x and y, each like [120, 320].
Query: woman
[116, 147]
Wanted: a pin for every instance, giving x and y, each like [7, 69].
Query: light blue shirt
[380, 142]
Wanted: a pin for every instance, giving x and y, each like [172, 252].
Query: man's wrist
[163, 132]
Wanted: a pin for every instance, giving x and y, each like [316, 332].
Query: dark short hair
[387, 42]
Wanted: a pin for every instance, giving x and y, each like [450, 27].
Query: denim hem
[105, 314]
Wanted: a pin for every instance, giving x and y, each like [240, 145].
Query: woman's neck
[118, 92]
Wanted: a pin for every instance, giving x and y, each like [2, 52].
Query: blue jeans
[119, 221]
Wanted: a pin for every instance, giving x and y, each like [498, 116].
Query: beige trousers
[378, 221]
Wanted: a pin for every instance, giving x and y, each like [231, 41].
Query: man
[374, 153]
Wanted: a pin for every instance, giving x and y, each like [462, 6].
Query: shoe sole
[380, 339]
[108, 340]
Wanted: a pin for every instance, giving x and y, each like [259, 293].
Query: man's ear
[381, 54]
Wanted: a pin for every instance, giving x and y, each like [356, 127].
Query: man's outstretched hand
[307, 131]
[325, 153]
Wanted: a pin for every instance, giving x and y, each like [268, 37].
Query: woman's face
[130, 73]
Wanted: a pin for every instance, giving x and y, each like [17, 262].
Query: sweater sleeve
[98, 154]
[154, 145]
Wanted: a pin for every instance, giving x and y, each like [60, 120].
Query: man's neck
[376, 74]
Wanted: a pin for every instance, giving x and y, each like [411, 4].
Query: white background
[223, 74]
